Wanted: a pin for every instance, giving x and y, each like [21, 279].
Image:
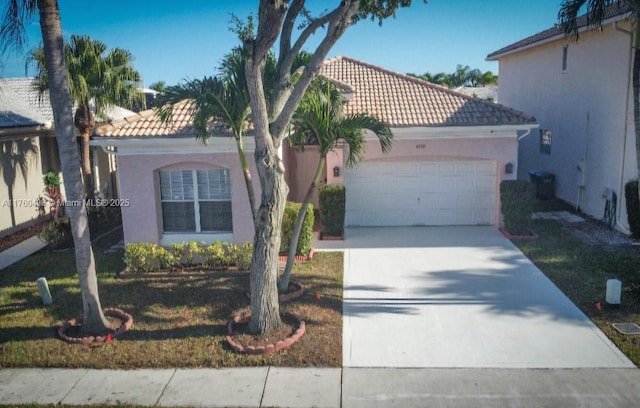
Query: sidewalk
[20, 251]
[324, 387]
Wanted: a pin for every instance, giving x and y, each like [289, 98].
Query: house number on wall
[421, 146]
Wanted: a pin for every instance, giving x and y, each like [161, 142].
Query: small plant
[139, 256]
[332, 209]
[241, 255]
[517, 198]
[57, 234]
[52, 193]
[216, 255]
[163, 258]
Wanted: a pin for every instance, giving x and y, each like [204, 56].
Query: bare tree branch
[340, 21]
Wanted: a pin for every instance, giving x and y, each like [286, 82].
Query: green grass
[179, 316]
[581, 272]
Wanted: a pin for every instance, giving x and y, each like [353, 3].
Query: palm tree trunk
[636, 95]
[93, 317]
[85, 123]
[293, 245]
[247, 176]
[86, 166]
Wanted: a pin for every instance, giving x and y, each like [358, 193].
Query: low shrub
[241, 255]
[332, 209]
[306, 233]
[147, 257]
[517, 198]
[633, 207]
[139, 256]
[57, 234]
[216, 255]
[186, 253]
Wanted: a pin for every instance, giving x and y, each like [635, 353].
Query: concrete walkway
[325, 387]
[20, 251]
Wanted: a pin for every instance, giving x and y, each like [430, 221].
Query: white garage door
[421, 193]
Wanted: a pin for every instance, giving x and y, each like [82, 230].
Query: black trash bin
[544, 183]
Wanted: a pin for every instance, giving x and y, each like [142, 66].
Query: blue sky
[172, 40]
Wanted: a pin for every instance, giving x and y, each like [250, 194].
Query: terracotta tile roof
[397, 99]
[148, 124]
[403, 101]
[617, 10]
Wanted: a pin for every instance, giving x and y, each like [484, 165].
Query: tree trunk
[85, 122]
[93, 318]
[293, 245]
[247, 176]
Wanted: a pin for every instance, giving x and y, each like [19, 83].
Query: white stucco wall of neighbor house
[588, 108]
[140, 194]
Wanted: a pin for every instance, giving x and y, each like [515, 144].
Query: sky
[176, 40]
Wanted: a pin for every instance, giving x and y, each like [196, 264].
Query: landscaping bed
[581, 272]
[180, 316]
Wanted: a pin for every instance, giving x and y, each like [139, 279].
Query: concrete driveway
[458, 297]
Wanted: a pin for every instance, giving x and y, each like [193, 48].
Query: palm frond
[595, 14]
[12, 29]
[320, 120]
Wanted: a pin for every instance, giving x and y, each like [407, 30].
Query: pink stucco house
[449, 155]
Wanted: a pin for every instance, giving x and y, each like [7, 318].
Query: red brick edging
[532, 235]
[127, 322]
[285, 297]
[298, 258]
[269, 348]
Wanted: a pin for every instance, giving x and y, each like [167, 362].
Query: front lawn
[581, 272]
[179, 316]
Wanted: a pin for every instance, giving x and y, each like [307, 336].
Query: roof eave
[495, 56]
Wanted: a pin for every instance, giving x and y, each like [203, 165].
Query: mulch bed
[19, 236]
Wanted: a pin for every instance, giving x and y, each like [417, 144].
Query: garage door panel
[421, 193]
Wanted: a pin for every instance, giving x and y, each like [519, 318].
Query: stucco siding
[25, 188]
[139, 185]
[501, 150]
[586, 106]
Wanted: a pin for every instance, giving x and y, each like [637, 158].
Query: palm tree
[320, 120]
[222, 99]
[15, 155]
[12, 34]
[158, 86]
[95, 79]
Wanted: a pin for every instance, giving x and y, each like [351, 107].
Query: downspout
[626, 121]
[525, 134]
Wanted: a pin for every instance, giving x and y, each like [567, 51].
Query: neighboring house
[450, 152]
[26, 117]
[581, 94]
[26, 134]
[488, 92]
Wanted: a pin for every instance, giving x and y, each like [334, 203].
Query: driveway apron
[459, 297]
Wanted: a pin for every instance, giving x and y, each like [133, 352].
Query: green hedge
[145, 256]
[332, 208]
[306, 234]
[633, 207]
[517, 198]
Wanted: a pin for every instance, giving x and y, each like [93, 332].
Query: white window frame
[174, 237]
